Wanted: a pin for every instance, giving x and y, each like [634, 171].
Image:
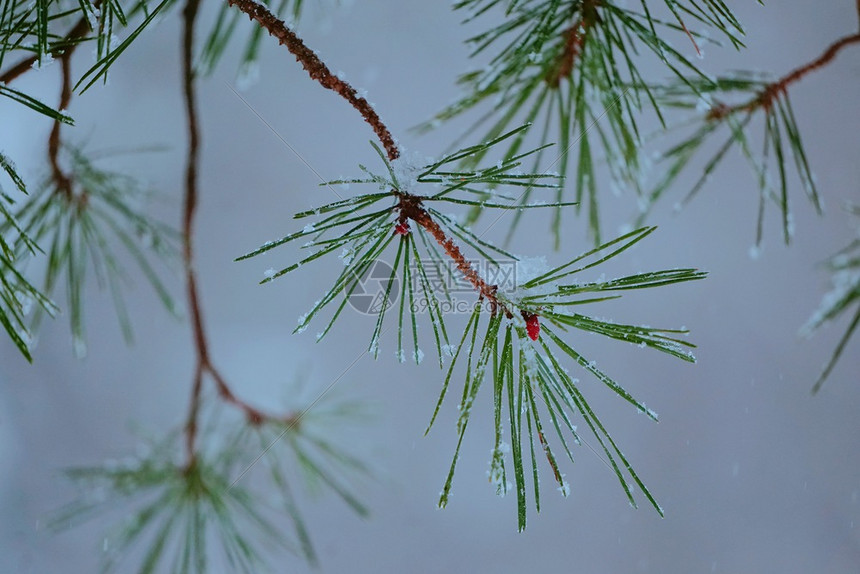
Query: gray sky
[753, 473]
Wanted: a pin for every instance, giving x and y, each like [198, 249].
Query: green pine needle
[530, 375]
[224, 30]
[575, 63]
[733, 102]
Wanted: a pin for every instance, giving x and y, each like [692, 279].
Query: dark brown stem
[798, 74]
[317, 70]
[194, 410]
[61, 180]
[203, 362]
[767, 96]
[574, 38]
[574, 41]
[254, 415]
[189, 15]
[410, 208]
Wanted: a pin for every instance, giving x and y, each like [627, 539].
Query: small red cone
[401, 229]
[532, 326]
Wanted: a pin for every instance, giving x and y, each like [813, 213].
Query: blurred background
[754, 474]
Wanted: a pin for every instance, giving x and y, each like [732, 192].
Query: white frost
[496, 473]
[249, 75]
[530, 267]
[44, 61]
[25, 301]
[844, 282]
[754, 252]
[80, 347]
[530, 358]
[564, 489]
[303, 323]
[347, 255]
[407, 168]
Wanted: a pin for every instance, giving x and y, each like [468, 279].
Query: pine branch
[189, 15]
[570, 63]
[82, 234]
[49, 47]
[576, 63]
[410, 207]
[368, 234]
[96, 24]
[781, 133]
[771, 92]
[204, 364]
[62, 181]
[182, 516]
[516, 317]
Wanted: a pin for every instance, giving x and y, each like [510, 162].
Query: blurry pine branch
[842, 299]
[84, 223]
[179, 517]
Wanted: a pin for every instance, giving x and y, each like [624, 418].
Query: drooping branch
[203, 361]
[189, 15]
[410, 206]
[317, 69]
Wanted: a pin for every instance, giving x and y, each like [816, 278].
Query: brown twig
[767, 96]
[61, 180]
[574, 38]
[317, 70]
[574, 41]
[798, 74]
[203, 361]
[410, 207]
[189, 15]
